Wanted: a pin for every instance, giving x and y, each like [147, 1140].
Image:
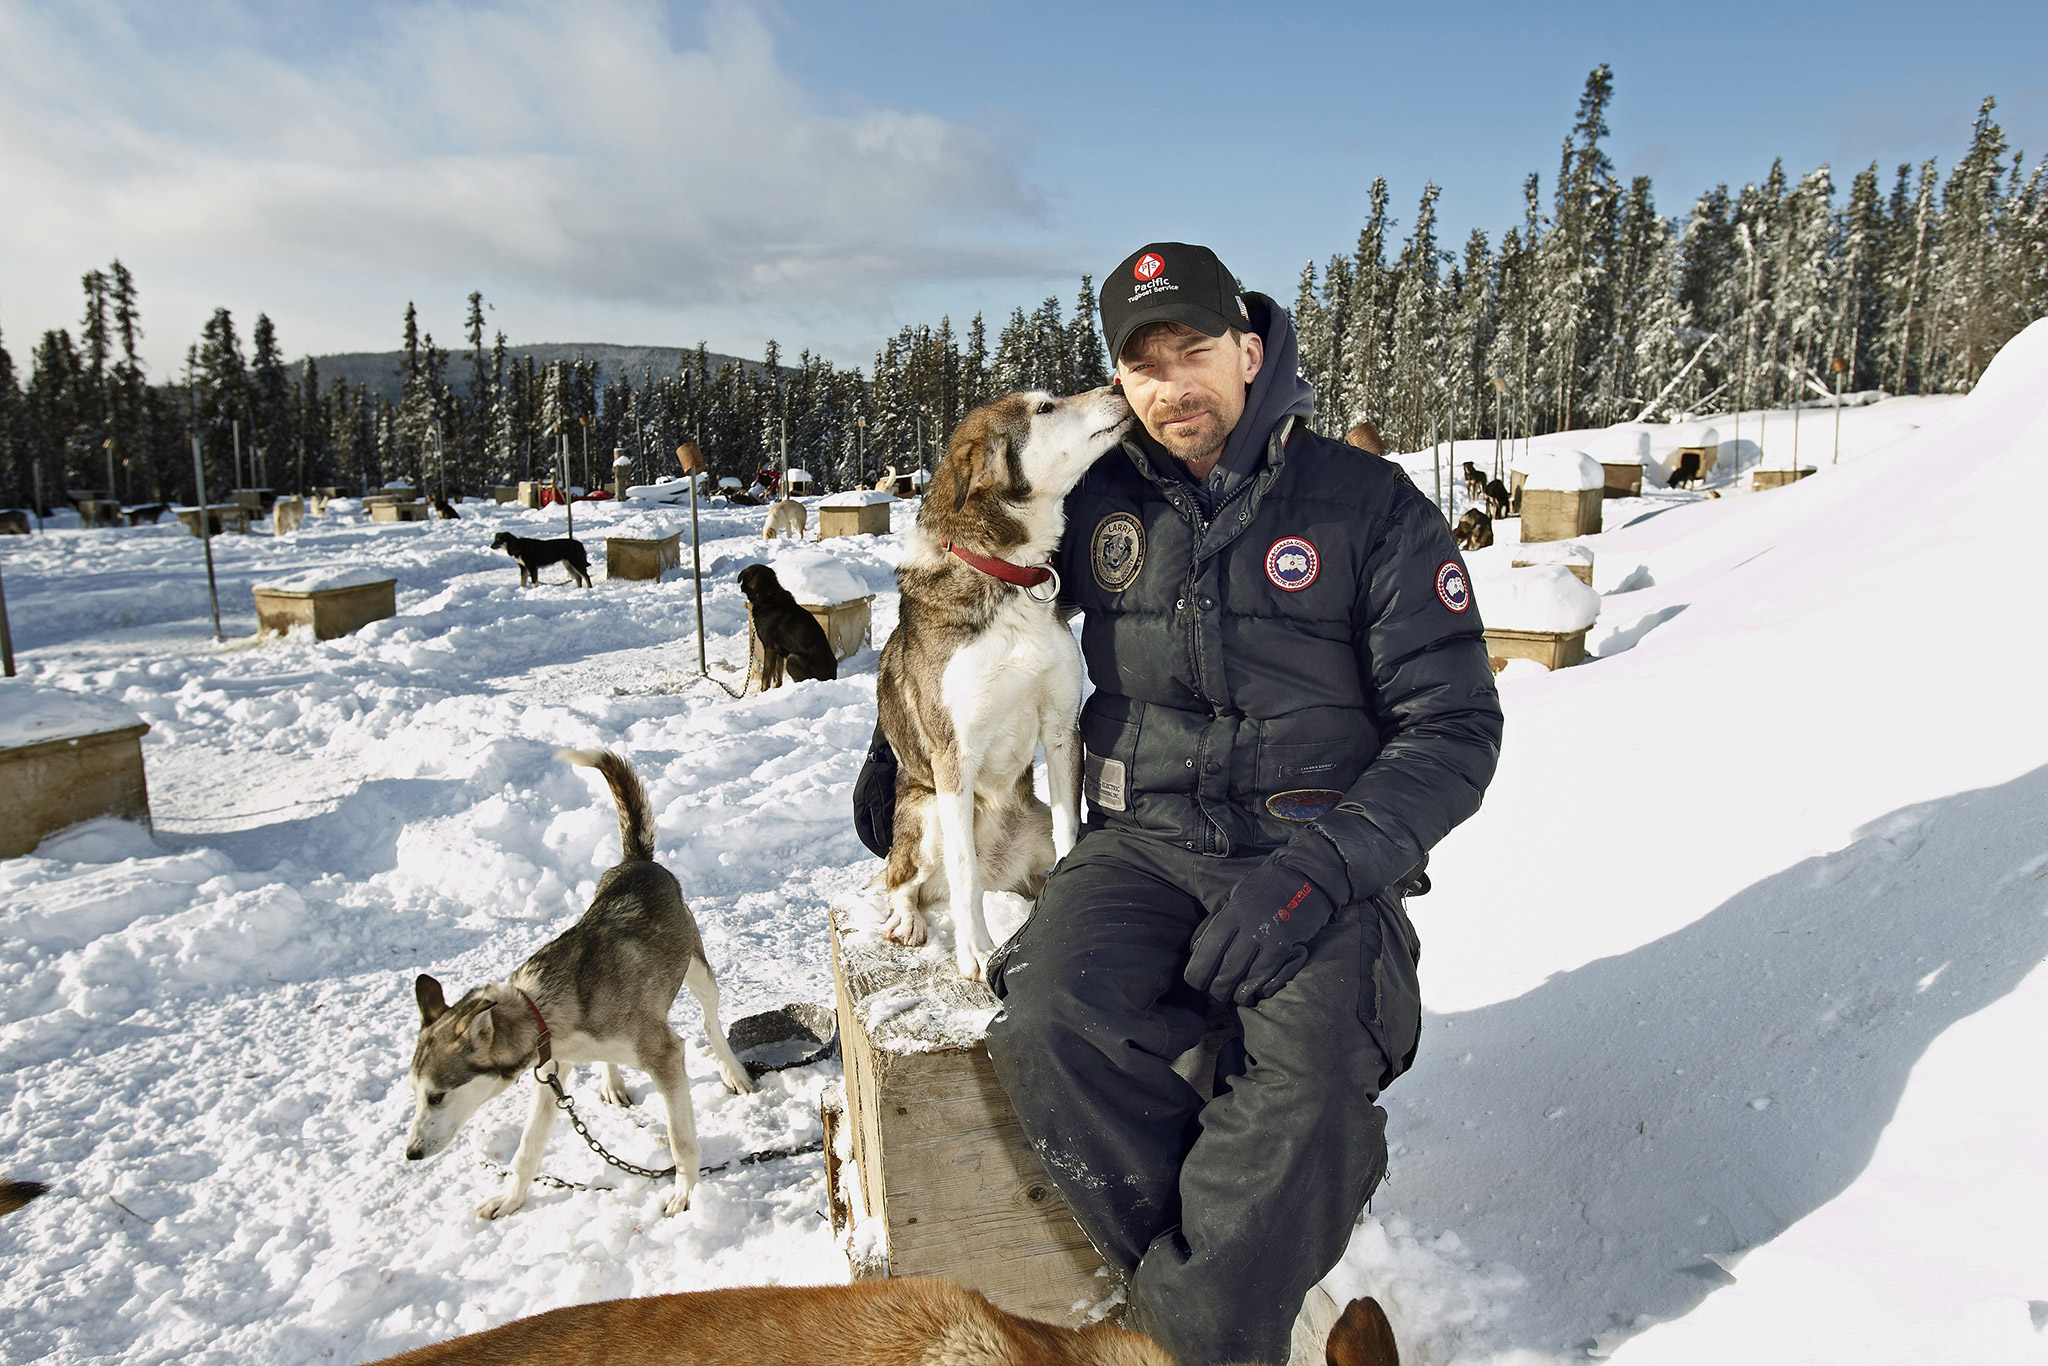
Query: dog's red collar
[1024, 577]
[547, 1047]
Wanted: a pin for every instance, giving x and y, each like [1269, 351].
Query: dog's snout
[414, 1152]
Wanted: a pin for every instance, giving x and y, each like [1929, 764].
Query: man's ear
[1254, 353]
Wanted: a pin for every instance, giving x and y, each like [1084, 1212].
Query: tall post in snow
[1436, 470]
[6, 636]
[568, 494]
[691, 457]
[206, 532]
[1838, 365]
[239, 481]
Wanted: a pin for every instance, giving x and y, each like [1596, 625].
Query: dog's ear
[481, 1030]
[984, 459]
[427, 991]
[1362, 1337]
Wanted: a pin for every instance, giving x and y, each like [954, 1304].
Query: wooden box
[397, 512]
[256, 500]
[1559, 514]
[529, 493]
[330, 612]
[504, 493]
[50, 784]
[634, 557]
[1775, 479]
[943, 1182]
[99, 512]
[1623, 480]
[848, 625]
[868, 519]
[1551, 649]
[220, 517]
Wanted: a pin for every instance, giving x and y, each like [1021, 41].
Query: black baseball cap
[1171, 282]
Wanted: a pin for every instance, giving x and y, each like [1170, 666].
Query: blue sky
[622, 170]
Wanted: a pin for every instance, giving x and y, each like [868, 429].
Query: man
[1292, 704]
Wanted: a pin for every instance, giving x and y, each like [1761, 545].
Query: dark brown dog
[790, 637]
[1474, 530]
[1498, 503]
[1475, 482]
[906, 1322]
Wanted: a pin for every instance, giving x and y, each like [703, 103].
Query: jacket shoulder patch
[1451, 588]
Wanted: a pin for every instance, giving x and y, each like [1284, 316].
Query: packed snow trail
[1734, 983]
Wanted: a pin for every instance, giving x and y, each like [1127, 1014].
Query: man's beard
[1193, 445]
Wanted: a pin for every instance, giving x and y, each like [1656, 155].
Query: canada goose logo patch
[1291, 564]
[1452, 588]
[1117, 551]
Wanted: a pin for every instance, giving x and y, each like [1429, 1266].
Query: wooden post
[6, 636]
[206, 533]
[691, 457]
[1838, 365]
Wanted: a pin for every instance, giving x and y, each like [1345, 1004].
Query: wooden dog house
[858, 512]
[1776, 479]
[220, 517]
[65, 758]
[1551, 649]
[942, 1181]
[1624, 479]
[641, 557]
[504, 493]
[333, 604]
[387, 511]
[99, 512]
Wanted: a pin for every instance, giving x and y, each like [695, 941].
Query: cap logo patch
[1117, 551]
[1452, 588]
[1246, 312]
[1149, 265]
[1291, 564]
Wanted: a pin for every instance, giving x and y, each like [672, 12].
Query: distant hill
[378, 370]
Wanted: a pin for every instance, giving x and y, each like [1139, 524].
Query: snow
[817, 576]
[321, 580]
[1552, 552]
[31, 714]
[645, 526]
[1544, 597]
[1570, 471]
[857, 498]
[1779, 839]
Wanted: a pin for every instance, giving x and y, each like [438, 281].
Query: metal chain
[562, 1102]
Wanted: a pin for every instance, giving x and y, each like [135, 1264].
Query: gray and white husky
[601, 992]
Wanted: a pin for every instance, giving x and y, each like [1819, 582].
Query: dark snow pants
[1223, 1214]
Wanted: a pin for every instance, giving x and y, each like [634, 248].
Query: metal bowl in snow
[792, 1036]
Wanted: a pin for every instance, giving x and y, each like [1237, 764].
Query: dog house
[65, 757]
[1542, 613]
[332, 602]
[504, 493]
[1561, 494]
[642, 557]
[382, 511]
[857, 512]
[796, 483]
[926, 1161]
[99, 512]
[220, 517]
[1573, 556]
[529, 493]
[1700, 452]
[1775, 479]
[258, 501]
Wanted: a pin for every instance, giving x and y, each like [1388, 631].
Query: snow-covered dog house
[1540, 613]
[1776, 479]
[1561, 494]
[1702, 444]
[220, 517]
[383, 510]
[641, 548]
[1622, 460]
[65, 758]
[857, 512]
[928, 1169]
[504, 493]
[796, 483]
[332, 602]
[258, 501]
[1573, 556]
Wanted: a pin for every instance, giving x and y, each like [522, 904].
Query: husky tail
[15, 1194]
[636, 816]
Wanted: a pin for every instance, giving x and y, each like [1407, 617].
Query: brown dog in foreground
[870, 1323]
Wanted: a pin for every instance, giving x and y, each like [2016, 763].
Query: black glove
[874, 797]
[1254, 945]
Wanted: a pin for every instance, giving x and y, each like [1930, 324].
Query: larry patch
[1451, 587]
[1117, 551]
[1291, 564]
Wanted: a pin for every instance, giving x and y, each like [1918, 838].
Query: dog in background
[286, 514]
[599, 992]
[533, 556]
[13, 522]
[1686, 472]
[893, 1322]
[1474, 530]
[791, 639]
[1475, 483]
[980, 671]
[788, 516]
[1498, 503]
[444, 509]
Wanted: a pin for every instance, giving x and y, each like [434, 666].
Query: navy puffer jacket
[1305, 668]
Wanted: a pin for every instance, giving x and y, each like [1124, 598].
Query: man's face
[1188, 389]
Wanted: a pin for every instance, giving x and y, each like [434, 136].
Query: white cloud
[579, 156]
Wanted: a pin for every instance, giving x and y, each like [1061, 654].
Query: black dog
[1474, 530]
[789, 635]
[1498, 503]
[1687, 471]
[532, 555]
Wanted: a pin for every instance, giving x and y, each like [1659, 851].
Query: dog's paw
[498, 1206]
[906, 926]
[678, 1202]
[737, 1082]
[614, 1092]
[973, 963]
